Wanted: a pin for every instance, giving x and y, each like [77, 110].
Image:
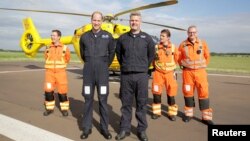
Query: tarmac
[21, 98]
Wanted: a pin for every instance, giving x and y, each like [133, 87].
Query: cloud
[226, 34]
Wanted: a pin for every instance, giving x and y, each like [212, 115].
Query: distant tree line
[230, 54]
[212, 53]
[6, 50]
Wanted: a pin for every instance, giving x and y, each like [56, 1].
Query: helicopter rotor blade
[156, 24]
[44, 11]
[177, 28]
[159, 4]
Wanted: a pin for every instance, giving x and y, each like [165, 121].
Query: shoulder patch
[143, 36]
[105, 36]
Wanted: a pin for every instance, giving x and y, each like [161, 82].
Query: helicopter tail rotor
[30, 40]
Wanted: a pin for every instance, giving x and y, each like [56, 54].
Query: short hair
[59, 33]
[166, 31]
[135, 13]
[96, 12]
[192, 26]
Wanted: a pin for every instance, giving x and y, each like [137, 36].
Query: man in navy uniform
[97, 48]
[135, 51]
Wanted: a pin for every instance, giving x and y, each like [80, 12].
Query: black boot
[155, 116]
[106, 134]
[186, 118]
[48, 112]
[122, 135]
[85, 134]
[142, 136]
[65, 113]
[172, 117]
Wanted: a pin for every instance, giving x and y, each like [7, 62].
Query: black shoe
[65, 113]
[155, 116]
[47, 112]
[186, 118]
[106, 134]
[172, 118]
[142, 136]
[122, 135]
[208, 122]
[85, 134]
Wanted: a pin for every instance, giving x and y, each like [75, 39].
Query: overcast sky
[224, 24]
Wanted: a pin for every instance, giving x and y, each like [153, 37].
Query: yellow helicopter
[31, 42]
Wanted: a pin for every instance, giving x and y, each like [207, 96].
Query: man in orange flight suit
[57, 55]
[194, 58]
[164, 75]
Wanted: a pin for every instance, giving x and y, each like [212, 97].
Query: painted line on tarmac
[239, 76]
[21, 71]
[32, 70]
[18, 130]
[227, 75]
